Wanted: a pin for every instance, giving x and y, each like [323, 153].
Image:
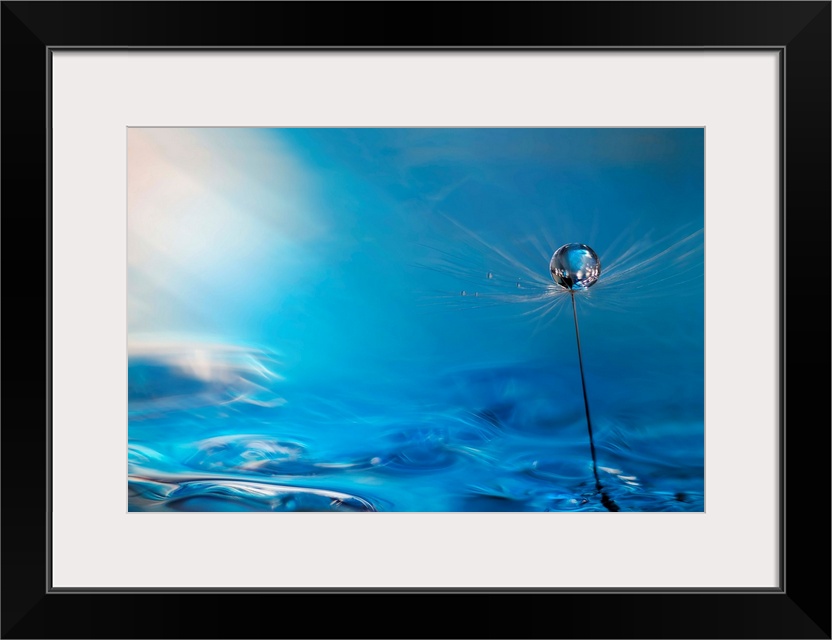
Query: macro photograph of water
[416, 319]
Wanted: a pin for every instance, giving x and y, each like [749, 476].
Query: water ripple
[225, 494]
[217, 428]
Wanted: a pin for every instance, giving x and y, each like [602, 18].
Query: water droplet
[518, 285]
[463, 293]
[575, 266]
[476, 294]
[489, 275]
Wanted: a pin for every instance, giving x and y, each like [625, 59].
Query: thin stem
[586, 401]
[608, 502]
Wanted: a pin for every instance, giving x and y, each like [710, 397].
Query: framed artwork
[500, 311]
[393, 328]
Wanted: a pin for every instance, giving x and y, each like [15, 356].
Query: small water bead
[463, 293]
[575, 266]
[489, 275]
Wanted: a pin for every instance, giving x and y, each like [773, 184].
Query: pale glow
[186, 225]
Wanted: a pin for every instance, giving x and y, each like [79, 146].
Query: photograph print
[415, 319]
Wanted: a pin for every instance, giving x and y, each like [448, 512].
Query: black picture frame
[799, 608]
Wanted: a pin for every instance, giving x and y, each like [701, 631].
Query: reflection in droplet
[575, 266]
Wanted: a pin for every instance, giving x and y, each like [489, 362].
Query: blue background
[420, 357]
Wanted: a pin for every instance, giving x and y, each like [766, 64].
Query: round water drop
[489, 275]
[575, 266]
[463, 293]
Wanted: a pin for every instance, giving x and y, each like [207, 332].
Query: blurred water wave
[220, 427]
